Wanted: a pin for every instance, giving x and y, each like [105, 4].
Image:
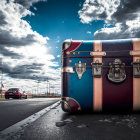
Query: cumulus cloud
[122, 14]
[88, 32]
[24, 53]
[25, 3]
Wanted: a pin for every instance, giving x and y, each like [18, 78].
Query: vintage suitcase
[101, 75]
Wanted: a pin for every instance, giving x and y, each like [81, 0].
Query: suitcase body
[101, 75]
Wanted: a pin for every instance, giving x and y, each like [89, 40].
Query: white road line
[16, 128]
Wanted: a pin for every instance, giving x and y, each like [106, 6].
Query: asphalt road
[13, 111]
[56, 125]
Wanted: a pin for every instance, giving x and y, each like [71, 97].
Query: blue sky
[59, 20]
[26, 54]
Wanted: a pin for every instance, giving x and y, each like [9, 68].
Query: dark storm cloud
[116, 13]
[27, 3]
[7, 29]
[25, 72]
[115, 34]
[2, 19]
[6, 52]
[0, 64]
[8, 39]
[19, 44]
[128, 10]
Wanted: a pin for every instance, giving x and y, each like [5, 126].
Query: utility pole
[37, 91]
[38, 87]
[53, 90]
[1, 77]
[1, 83]
[47, 87]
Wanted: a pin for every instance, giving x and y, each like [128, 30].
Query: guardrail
[46, 96]
[35, 96]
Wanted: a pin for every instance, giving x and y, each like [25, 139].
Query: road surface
[56, 124]
[15, 110]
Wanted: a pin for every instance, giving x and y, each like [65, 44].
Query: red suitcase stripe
[74, 46]
[97, 82]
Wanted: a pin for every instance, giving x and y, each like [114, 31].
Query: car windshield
[13, 89]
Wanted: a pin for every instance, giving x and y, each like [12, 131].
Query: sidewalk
[57, 125]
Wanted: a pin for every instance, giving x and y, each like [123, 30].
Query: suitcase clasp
[117, 72]
[97, 69]
[80, 69]
[136, 68]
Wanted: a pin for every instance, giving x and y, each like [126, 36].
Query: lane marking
[18, 127]
[18, 100]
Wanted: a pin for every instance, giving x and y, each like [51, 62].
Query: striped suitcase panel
[88, 92]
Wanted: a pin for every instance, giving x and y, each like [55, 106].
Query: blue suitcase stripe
[84, 96]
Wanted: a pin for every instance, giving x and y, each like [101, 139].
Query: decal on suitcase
[101, 75]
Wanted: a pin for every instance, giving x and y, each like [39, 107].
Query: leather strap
[97, 82]
[136, 81]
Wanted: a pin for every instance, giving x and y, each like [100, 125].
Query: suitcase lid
[110, 48]
[119, 54]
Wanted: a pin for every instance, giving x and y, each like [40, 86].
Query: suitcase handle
[97, 53]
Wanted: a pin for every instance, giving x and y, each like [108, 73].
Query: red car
[15, 93]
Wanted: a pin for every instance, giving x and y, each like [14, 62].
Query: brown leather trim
[98, 53]
[97, 87]
[67, 69]
[71, 103]
[135, 53]
[136, 81]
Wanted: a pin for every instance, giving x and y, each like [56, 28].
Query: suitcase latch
[97, 69]
[117, 72]
[80, 69]
[136, 68]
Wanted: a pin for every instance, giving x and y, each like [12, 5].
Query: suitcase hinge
[80, 69]
[66, 44]
[136, 68]
[97, 69]
[117, 72]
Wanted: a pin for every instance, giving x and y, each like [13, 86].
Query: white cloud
[58, 56]
[26, 3]
[123, 15]
[97, 9]
[24, 52]
[88, 32]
